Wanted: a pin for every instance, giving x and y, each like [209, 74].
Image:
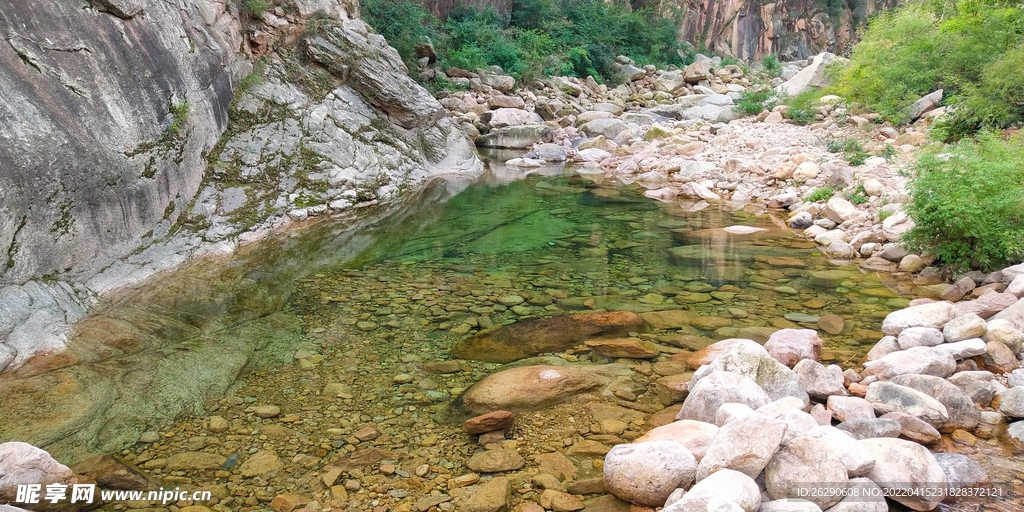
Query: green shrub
[822, 194]
[852, 150]
[179, 115]
[801, 107]
[858, 195]
[404, 23]
[968, 49]
[541, 37]
[968, 203]
[889, 152]
[256, 8]
[772, 66]
[755, 101]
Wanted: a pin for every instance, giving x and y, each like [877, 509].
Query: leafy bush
[772, 66]
[858, 195]
[801, 107]
[755, 101]
[256, 8]
[822, 194]
[968, 203]
[405, 24]
[968, 49]
[541, 37]
[852, 150]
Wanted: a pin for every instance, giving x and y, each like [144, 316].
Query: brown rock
[914, 429]
[708, 354]
[489, 422]
[710, 323]
[112, 472]
[525, 339]
[527, 388]
[587, 486]
[960, 289]
[832, 324]
[998, 358]
[494, 461]
[493, 496]
[625, 347]
[789, 346]
[673, 389]
[361, 459]
[560, 501]
[288, 502]
[668, 319]
[556, 464]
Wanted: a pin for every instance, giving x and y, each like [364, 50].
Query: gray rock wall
[128, 148]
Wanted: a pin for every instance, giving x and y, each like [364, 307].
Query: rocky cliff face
[135, 135]
[793, 29]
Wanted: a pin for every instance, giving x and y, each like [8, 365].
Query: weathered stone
[1004, 332]
[1012, 402]
[720, 388]
[724, 484]
[963, 349]
[868, 428]
[964, 327]
[493, 496]
[752, 360]
[961, 472]
[22, 463]
[855, 459]
[195, 461]
[263, 463]
[646, 473]
[998, 358]
[696, 436]
[625, 347]
[963, 414]
[863, 496]
[559, 501]
[789, 346]
[745, 445]
[807, 467]
[919, 337]
[980, 386]
[845, 408]
[907, 466]
[934, 315]
[112, 472]
[516, 137]
[494, 461]
[528, 338]
[888, 397]
[527, 388]
[921, 360]
[497, 420]
[819, 382]
[913, 428]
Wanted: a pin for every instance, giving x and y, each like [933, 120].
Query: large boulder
[908, 470]
[22, 463]
[745, 445]
[920, 360]
[609, 128]
[980, 386]
[963, 414]
[888, 397]
[752, 360]
[647, 473]
[529, 338]
[718, 388]
[789, 346]
[964, 327]
[696, 436]
[516, 137]
[811, 76]
[863, 496]
[724, 484]
[819, 382]
[855, 458]
[528, 388]
[961, 472]
[1012, 402]
[808, 467]
[933, 314]
[850, 407]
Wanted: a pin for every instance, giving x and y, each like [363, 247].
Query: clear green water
[398, 283]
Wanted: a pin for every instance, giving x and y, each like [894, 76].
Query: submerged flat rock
[525, 339]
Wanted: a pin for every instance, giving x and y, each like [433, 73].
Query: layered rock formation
[135, 135]
[793, 29]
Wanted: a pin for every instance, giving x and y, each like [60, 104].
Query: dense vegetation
[973, 49]
[540, 37]
[968, 202]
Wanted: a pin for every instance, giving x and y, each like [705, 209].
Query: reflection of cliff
[794, 29]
